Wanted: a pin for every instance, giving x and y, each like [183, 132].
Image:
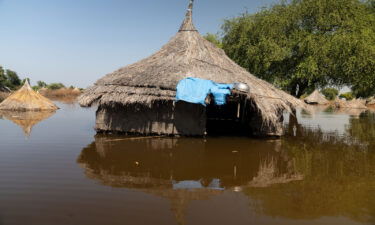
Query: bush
[330, 93]
[55, 86]
[36, 88]
[348, 96]
[304, 96]
[41, 84]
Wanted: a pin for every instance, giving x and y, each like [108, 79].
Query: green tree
[55, 86]
[330, 93]
[2, 77]
[13, 81]
[214, 39]
[348, 96]
[41, 84]
[301, 45]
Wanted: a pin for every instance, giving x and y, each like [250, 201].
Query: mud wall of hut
[185, 119]
[161, 118]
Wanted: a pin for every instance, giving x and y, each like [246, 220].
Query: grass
[59, 93]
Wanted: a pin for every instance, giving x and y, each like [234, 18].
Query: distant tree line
[302, 45]
[10, 80]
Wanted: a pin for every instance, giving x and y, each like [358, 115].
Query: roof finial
[27, 83]
[188, 25]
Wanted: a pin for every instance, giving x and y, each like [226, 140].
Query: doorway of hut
[229, 119]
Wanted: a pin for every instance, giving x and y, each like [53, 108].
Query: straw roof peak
[27, 85]
[187, 24]
[316, 98]
[26, 99]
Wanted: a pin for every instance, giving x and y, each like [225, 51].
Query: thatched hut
[26, 99]
[352, 104]
[371, 102]
[316, 98]
[140, 98]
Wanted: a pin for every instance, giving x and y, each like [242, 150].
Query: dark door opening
[228, 119]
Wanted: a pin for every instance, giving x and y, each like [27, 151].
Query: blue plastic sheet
[195, 90]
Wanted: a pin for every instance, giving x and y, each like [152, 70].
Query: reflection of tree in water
[362, 128]
[339, 176]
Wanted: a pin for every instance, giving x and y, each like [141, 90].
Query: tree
[330, 93]
[214, 39]
[13, 81]
[301, 45]
[2, 77]
[55, 86]
[41, 84]
[348, 96]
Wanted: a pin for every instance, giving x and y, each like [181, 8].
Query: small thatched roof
[26, 120]
[371, 102]
[316, 98]
[187, 54]
[352, 104]
[26, 99]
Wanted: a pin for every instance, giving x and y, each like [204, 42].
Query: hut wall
[161, 118]
[261, 129]
[185, 119]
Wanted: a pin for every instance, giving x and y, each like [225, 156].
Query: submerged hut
[316, 98]
[26, 99]
[371, 102]
[352, 104]
[140, 98]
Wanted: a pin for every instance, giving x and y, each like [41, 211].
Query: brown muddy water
[60, 172]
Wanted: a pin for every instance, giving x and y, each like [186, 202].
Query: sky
[78, 41]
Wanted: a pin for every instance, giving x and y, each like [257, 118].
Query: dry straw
[316, 98]
[26, 99]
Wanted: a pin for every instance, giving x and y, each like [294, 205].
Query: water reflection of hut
[140, 98]
[26, 99]
[180, 170]
[176, 160]
[316, 98]
[26, 120]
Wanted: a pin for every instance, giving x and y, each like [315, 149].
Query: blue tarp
[195, 90]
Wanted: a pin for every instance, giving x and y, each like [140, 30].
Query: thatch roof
[187, 54]
[26, 99]
[316, 98]
[352, 104]
[26, 120]
[371, 102]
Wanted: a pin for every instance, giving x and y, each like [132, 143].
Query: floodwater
[55, 170]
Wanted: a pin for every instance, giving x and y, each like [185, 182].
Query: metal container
[241, 87]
